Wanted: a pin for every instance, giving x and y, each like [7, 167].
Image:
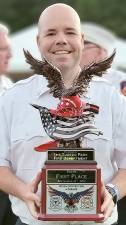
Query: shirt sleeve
[119, 129]
[4, 136]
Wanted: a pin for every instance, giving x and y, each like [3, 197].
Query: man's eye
[50, 34]
[70, 33]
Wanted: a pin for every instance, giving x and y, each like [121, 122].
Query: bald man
[59, 40]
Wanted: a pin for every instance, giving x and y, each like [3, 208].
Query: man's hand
[16, 187]
[32, 200]
[108, 204]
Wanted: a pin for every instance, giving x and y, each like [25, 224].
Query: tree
[111, 14]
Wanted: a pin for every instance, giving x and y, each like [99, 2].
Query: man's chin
[62, 66]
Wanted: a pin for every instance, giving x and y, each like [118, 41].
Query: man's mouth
[61, 52]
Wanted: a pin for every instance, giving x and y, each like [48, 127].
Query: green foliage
[110, 13]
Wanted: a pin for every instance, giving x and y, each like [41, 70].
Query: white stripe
[70, 123]
[74, 128]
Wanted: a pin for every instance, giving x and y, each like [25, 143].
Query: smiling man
[60, 40]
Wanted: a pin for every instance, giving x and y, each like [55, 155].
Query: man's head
[98, 44]
[5, 52]
[59, 37]
[123, 87]
[92, 53]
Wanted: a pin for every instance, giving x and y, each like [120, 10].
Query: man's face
[92, 53]
[60, 40]
[5, 53]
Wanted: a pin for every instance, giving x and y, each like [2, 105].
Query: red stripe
[45, 147]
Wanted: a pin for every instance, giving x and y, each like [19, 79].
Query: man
[59, 40]
[99, 44]
[5, 55]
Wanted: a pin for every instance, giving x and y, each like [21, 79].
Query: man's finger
[106, 201]
[34, 205]
[33, 209]
[108, 211]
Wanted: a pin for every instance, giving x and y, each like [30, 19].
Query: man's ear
[37, 40]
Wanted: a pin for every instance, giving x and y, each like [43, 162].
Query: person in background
[5, 55]
[123, 87]
[61, 42]
[99, 44]
[6, 215]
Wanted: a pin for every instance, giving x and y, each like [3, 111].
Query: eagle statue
[73, 118]
[55, 79]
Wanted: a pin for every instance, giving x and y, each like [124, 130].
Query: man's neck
[70, 76]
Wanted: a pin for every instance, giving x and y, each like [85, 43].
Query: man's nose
[61, 39]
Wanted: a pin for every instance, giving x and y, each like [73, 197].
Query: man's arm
[26, 192]
[8, 181]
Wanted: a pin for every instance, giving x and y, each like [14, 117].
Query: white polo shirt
[5, 83]
[21, 130]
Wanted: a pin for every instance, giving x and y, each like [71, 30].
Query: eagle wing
[55, 79]
[81, 83]
[62, 194]
[49, 71]
[77, 196]
[100, 67]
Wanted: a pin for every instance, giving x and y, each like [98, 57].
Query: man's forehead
[54, 27]
[4, 38]
[59, 13]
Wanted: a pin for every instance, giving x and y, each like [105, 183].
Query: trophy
[71, 179]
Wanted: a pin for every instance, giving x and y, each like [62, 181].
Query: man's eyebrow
[70, 29]
[50, 30]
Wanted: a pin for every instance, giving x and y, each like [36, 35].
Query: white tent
[120, 59]
[26, 39]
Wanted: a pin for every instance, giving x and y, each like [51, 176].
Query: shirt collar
[42, 87]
